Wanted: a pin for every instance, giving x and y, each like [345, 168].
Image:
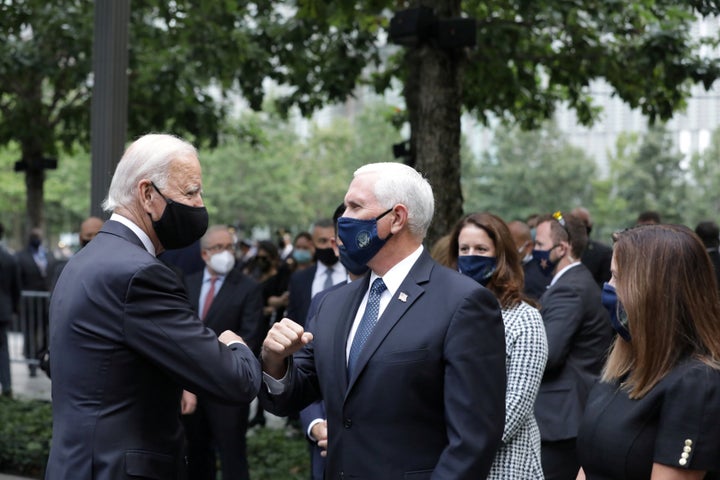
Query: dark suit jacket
[597, 257]
[715, 260]
[427, 396]
[125, 342]
[237, 306]
[9, 287]
[300, 288]
[536, 282]
[31, 277]
[316, 409]
[579, 336]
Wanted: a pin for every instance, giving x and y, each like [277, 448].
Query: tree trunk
[433, 96]
[34, 186]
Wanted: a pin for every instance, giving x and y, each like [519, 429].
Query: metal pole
[108, 124]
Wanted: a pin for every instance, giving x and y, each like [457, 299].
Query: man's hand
[188, 402]
[320, 434]
[284, 338]
[228, 336]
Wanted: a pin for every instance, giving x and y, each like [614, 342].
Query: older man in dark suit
[410, 359]
[226, 299]
[124, 338]
[579, 335]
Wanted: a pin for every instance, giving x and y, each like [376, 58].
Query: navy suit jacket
[316, 409]
[300, 288]
[579, 336]
[427, 396]
[125, 342]
[237, 306]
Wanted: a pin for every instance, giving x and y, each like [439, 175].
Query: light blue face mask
[360, 241]
[302, 256]
[478, 267]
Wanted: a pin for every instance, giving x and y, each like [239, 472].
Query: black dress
[677, 424]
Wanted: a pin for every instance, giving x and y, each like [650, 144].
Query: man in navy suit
[124, 338]
[579, 335]
[412, 370]
[233, 301]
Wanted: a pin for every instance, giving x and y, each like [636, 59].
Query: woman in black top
[655, 414]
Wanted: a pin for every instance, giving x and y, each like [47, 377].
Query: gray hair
[399, 183]
[147, 157]
[204, 242]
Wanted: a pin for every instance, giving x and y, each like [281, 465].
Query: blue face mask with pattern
[360, 241]
[618, 316]
[543, 258]
[478, 267]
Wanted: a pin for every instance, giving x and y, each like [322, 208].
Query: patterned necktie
[328, 279]
[367, 322]
[209, 297]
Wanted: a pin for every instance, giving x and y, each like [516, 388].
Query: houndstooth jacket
[526, 351]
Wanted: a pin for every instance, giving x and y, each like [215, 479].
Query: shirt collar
[394, 277]
[147, 243]
[207, 276]
[562, 272]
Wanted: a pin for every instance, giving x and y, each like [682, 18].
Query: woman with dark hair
[655, 414]
[482, 247]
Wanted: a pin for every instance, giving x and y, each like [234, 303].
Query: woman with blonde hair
[482, 247]
[655, 414]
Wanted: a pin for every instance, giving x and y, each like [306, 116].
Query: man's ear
[400, 218]
[146, 192]
[334, 246]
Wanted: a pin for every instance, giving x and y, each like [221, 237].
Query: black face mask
[180, 225]
[35, 242]
[326, 256]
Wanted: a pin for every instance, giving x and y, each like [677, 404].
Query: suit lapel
[409, 292]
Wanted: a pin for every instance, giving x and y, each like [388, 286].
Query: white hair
[399, 183]
[147, 157]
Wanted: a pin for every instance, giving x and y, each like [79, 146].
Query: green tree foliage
[529, 172]
[264, 173]
[647, 173]
[529, 57]
[705, 187]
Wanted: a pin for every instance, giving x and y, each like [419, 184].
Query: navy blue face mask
[350, 265]
[543, 258]
[360, 241]
[618, 316]
[477, 267]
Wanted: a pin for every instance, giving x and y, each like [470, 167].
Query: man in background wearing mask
[225, 299]
[36, 268]
[409, 359]
[125, 340]
[327, 271]
[536, 282]
[579, 335]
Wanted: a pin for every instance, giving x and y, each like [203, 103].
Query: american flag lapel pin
[402, 297]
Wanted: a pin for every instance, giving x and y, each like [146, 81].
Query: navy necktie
[367, 322]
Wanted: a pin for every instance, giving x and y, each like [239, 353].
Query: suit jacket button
[347, 423]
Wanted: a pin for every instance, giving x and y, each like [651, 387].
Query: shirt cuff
[309, 430]
[275, 386]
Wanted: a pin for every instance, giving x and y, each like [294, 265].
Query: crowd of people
[511, 350]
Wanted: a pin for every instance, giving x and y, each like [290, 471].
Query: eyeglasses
[219, 248]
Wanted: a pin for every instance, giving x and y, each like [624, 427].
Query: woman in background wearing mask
[655, 414]
[482, 247]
